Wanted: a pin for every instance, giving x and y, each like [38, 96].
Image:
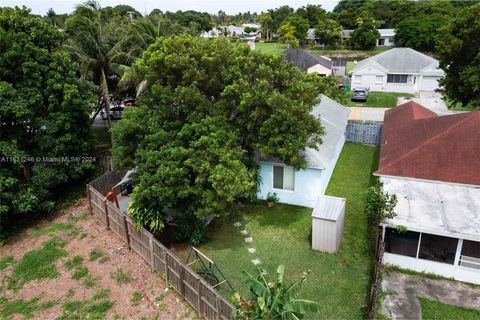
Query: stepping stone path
[244, 232]
[256, 261]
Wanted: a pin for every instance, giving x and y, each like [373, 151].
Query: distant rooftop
[402, 60]
[304, 60]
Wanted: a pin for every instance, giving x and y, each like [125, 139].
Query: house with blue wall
[303, 187]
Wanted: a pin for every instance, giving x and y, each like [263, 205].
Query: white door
[429, 83]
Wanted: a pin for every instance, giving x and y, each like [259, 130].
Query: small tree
[365, 35]
[380, 205]
[328, 31]
[288, 35]
[273, 299]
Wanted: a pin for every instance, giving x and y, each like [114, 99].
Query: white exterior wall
[370, 79]
[387, 43]
[308, 186]
[443, 269]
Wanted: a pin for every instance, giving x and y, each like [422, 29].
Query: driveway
[431, 100]
[402, 290]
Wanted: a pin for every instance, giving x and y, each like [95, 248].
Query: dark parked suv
[360, 94]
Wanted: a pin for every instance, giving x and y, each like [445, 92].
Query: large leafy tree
[313, 13]
[459, 55]
[420, 32]
[365, 35]
[99, 47]
[44, 111]
[207, 109]
[328, 31]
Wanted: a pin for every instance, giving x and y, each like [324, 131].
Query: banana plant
[273, 299]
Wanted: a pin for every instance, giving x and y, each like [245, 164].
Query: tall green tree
[366, 34]
[313, 13]
[266, 23]
[208, 109]
[420, 32]
[328, 31]
[44, 112]
[101, 54]
[459, 55]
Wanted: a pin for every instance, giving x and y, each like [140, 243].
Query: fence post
[199, 294]
[89, 199]
[217, 308]
[106, 213]
[166, 268]
[152, 256]
[127, 235]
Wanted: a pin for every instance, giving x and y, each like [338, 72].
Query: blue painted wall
[306, 190]
[309, 183]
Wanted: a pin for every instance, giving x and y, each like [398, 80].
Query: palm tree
[100, 56]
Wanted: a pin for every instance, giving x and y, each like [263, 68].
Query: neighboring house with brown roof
[432, 164]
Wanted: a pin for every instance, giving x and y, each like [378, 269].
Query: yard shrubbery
[44, 117]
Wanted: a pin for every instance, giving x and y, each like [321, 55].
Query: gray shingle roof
[401, 60]
[334, 118]
[304, 60]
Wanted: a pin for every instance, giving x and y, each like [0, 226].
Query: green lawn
[339, 282]
[270, 47]
[278, 48]
[457, 106]
[377, 99]
[372, 52]
[436, 310]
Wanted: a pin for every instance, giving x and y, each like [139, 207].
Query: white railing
[469, 262]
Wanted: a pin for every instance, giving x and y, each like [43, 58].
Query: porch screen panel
[278, 177]
[438, 248]
[402, 243]
[289, 178]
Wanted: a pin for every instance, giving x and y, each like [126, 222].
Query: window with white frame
[283, 177]
[358, 79]
[397, 78]
[378, 79]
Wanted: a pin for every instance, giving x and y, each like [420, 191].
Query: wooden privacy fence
[379, 250]
[364, 132]
[192, 287]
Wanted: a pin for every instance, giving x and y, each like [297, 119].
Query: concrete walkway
[402, 290]
[367, 114]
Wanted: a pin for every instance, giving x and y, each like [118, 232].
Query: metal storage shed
[327, 223]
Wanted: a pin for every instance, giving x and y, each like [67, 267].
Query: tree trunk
[106, 96]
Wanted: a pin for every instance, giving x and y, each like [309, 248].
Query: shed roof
[304, 60]
[328, 208]
[386, 32]
[333, 117]
[403, 60]
[417, 143]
